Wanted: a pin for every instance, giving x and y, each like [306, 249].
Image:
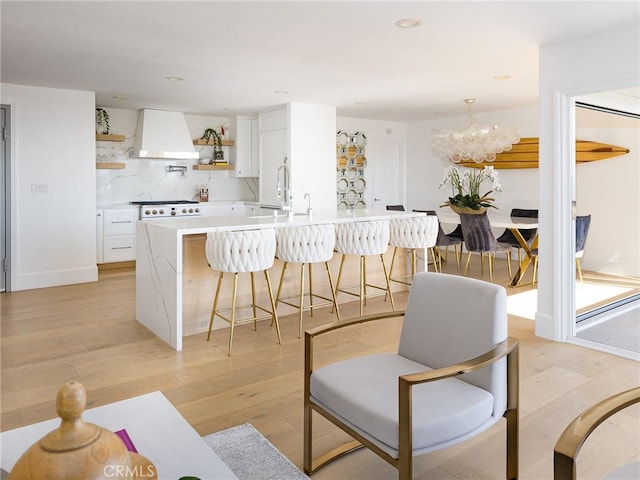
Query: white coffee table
[156, 428]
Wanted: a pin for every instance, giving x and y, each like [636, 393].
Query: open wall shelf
[213, 167]
[210, 143]
[109, 166]
[109, 137]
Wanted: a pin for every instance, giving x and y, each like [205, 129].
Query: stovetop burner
[162, 202]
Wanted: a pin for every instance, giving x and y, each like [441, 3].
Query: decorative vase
[467, 210]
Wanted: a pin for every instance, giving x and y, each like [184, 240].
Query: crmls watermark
[127, 471]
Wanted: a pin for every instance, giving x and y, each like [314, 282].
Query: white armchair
[448, 382]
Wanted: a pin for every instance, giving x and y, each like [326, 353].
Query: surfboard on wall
[524, 154]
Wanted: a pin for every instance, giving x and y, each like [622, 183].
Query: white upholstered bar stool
[363, 239]
[306, 245]
[237, 252]
[413, 234]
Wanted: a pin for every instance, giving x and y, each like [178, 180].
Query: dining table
[514, 224]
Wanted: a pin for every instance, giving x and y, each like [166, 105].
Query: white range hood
[162, 134]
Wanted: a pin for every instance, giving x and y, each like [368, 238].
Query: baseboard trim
[114, 265]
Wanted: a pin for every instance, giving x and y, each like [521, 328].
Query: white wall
[609, 190]
[567, 70]
[53, 234]
[147, 179]
[520, 187]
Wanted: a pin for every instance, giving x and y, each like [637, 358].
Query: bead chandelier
[474, 142]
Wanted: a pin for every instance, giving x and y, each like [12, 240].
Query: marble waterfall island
[162, 261]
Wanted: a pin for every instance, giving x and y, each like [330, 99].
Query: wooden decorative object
[79, 450]
[524, 154]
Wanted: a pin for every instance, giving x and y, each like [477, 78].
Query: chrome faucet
[177, 168]
[307, 197]
[284, 195]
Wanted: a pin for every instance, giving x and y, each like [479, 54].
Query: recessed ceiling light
[408, 23]
[281, 92]
[502, 77]
[120, 97]
[172, 78]
[362, 103]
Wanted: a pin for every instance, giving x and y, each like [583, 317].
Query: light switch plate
[39, 188]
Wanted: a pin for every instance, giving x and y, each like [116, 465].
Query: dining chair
[527, 234]
[445, 240]
[574, 435]
[455, 374]
[583, 222]
[479, 238]
[399, 208]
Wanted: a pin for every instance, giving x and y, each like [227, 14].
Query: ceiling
[240, 57]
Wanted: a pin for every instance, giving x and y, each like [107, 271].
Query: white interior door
[385, 175]
[5, 190]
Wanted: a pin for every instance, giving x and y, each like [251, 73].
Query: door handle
[377, 200]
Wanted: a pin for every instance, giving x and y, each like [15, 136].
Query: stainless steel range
[167, 208]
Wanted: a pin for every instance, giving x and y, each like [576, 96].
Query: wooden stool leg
[253, 302]
[310, 289]
[273, 305]
[301, 304]
[414, 262]
[364, 278]
[284, 268]
[384, 270]
[491, 257]
[466, 267]
[338, 280]
[233, 311]
[333, 290]
[362, 289]
[215, 304]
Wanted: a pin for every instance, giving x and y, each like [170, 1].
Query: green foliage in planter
[209, 134]
[102, 120]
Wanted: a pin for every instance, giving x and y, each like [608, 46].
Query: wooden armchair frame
[508, 348]
[571, 440]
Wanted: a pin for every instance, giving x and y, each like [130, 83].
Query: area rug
[250, 456]
[525, 304]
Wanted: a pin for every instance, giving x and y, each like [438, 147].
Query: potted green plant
[465, 188]
[209, 135]
[102, 121]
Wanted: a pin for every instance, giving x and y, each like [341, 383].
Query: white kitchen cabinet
[100, 235]
[244, 157]
[304, 135]
[118, 234]
[274, 148]
[251, 210]
[236, 210]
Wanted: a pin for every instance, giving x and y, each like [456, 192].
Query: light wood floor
[88, 332]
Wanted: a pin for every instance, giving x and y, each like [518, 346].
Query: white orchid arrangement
[465, 187]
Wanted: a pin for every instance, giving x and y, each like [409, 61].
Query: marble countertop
[195, 225]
